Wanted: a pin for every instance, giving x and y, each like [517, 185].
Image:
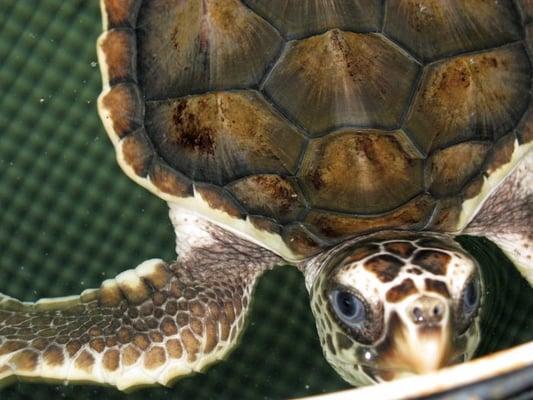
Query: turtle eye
[470, 297]
[349, 308]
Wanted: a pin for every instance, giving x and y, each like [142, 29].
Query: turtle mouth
[380, 375]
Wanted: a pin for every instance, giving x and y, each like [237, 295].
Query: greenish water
[69, 218]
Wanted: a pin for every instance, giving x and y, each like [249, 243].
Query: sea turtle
[352, 139]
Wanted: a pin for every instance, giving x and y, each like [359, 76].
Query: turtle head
[394, 307]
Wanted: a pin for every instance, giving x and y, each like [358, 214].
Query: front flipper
[506, 216]
[149, 325]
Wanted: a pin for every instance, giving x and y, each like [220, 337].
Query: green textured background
[69, 218]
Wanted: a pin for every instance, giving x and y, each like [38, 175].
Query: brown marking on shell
[158, 276]
[220, 136]
[155, 357]
[353, 171]
[446, 214]
[402, 249]
[174, 348]
[436, 28]
[110, 294]
[384, 266]
[129, 355]
[123, 105]
[137, 152]
[366, 82]
[170, 181]
[265, 224]
[120, 53]
[219, 200]
[478, 95]
[269, 195]
[303, 18]
[437, 286]
[412, 215]
[191, 344]
[11, 346]
[84, 361]
[198, 46]
[25, 360]
[300, 241]
[111, 360]
[121, 12]
[472, 189]
[502, 153]
[361, 252]
[401, 291]
[448, 170]
[433, 261]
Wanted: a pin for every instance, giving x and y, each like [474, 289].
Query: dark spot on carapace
[361, 252]
[402, 249]
[433, 261]
[384, 266]
[436, 286]
[399, 292]
[189, 131]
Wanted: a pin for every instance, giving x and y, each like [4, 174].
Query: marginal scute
[132, 287]
[265, 224]
[120, 13]
[218, 199]
[300, 240]
[447, 170]
[137, 152]
[195, 46]
[446, 215]
[479, 95]
[121, 109]
[412, 215]
[435, 28]
[269, 195]
[120, 55]
[303, 18]
[220, 136]
[170, 181]
[367, 81]
[353, 171]
[501, 154]
[110, 294]
[525, 128]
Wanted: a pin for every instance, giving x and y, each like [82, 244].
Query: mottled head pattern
[385, 308]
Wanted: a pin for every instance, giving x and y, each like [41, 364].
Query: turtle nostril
[427, 310]
[418, 314]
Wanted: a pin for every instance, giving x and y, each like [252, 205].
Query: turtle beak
[421, 344]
